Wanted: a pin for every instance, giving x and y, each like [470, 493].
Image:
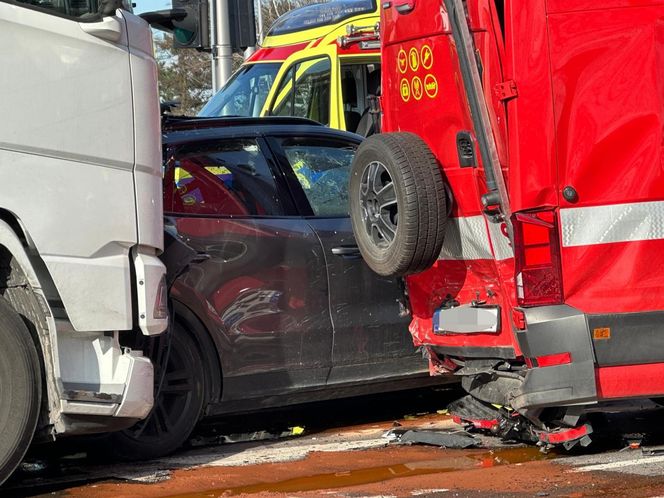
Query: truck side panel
[53, 144]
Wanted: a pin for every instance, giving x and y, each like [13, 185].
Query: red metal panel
[608, 80]
[608, 77]
[418, 48]
[630, 381]
[532, 180]
[617, 277]
[462, 280]
[426, 19]
[578, 5]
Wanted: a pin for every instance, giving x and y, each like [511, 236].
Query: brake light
[537, 259]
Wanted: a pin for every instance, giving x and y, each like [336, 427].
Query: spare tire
[398, 204]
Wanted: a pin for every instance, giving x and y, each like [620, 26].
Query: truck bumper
[601, 357]
[102, 383]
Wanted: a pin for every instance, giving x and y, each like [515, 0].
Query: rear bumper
[613, 356]
[553, 330]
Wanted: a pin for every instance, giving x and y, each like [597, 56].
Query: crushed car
[271, 302]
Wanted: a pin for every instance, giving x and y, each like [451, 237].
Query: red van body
[546, 117]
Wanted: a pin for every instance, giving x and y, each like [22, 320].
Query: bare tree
[184, 76]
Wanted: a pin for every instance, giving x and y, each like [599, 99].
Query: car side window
[224, 178]
[322, 167]
[305, 91]
[80, 10]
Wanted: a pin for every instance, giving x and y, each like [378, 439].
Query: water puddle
[459, 460]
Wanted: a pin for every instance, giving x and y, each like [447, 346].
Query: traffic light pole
[222, 53]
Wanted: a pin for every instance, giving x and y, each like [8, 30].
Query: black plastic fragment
[459, 440]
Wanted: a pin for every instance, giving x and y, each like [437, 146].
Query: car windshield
[320, 14]
[245, 92]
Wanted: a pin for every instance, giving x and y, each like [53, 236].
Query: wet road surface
[342, 452]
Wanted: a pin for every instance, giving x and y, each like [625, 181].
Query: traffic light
[242, 24]
[193, 29]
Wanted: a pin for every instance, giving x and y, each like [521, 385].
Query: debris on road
[444, 439]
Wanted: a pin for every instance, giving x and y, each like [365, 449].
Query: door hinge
[506, 90]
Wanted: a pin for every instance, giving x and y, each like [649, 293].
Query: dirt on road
[343, 452]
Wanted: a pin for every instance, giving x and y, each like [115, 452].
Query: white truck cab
[80, 220]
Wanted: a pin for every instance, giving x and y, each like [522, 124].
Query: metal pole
[222, 53]
[259, 15]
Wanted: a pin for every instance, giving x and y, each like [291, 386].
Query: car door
[260, 285]
[371, 337]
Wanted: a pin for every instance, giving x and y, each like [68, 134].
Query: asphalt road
[340, 449]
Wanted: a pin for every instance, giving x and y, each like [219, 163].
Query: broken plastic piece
[444, 439]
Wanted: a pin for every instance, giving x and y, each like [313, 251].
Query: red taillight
[537, 259]
[551, 360]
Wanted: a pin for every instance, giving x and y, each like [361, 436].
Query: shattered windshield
[320, 14]
[245, 93]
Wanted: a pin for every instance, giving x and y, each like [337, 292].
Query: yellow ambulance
[321, 62]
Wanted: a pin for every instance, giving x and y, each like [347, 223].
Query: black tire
[20, 389]
[398, 204]
[178, 404]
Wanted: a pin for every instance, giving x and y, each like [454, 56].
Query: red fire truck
[519, 188]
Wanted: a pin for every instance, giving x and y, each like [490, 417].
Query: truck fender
[31, 303]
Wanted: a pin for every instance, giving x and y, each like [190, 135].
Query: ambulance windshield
[321, 14]
[245, 93]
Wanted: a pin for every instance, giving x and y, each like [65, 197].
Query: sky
[150, 5]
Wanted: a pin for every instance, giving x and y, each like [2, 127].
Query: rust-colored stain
[457, 460]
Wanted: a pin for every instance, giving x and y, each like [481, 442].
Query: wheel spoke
[367, 221]
[367, 175]
[163, 417]
[387, 196]
[376, 171]
[177, 375]
[177, 388]
[386, 229]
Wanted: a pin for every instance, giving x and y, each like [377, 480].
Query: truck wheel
[398, 204]
[177, 406]
[20, 389]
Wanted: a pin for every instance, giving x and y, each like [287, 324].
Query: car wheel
[398, 204]
[20, 389]
[178, 403]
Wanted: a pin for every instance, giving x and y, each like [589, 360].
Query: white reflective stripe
[613, 223]
[468, 238]
[502, 247]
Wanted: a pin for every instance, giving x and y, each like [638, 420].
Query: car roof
[182, 130]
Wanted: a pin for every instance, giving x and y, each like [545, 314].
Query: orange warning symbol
[414, 59]
[601, 333]
[405, 90]
[402, 61]
[431, 86]
[417, 87]
[426, 57]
